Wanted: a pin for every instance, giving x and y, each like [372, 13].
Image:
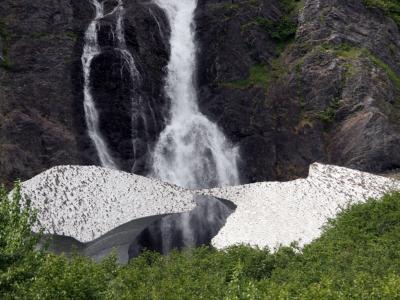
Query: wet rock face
[338, 22]
[341, 88]
[131, 107]
[231, 44]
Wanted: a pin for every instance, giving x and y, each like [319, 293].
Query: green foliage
[393, 76]
[284, 28]
[77, 278]
[18, 258]
[328, 115]
[389, 7]
[258, 77]
[357, 257]
[281, 30]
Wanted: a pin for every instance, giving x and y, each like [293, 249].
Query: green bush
[284, 28]
[357, 257]
[18, 258]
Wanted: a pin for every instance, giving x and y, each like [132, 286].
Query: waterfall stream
[192, 151]
[90, 51]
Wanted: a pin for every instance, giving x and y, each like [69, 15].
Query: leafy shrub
[284, 28]
[357, 257]
[18, 258]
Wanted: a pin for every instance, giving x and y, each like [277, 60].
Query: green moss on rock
[258, 77]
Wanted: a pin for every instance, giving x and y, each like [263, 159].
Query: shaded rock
[132, 106]
[40, 122]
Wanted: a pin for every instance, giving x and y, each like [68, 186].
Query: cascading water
[90, 51]
[191, 152]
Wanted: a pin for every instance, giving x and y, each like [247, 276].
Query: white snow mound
[87, 202]
[278, 213]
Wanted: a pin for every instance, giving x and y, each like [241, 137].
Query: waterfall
[90, 51]
[192, 151]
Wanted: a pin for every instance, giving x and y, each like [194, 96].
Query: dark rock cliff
[290, 82]
[132, 109]
[42, 120]
[331, 94]
[40, 123]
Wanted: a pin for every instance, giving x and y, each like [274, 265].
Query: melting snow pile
[278, 213]
[87, 202]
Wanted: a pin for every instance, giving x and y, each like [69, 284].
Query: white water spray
[90, 51]
[191, 152]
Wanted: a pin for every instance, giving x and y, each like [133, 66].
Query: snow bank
[87, 202]
[278, 213]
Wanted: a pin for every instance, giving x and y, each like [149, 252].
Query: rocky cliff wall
[42, 121]
[290, 82]
[330, 93]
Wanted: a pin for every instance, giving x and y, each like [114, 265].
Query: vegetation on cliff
[357, 257]
[390, 7]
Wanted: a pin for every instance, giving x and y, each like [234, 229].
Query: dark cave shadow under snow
[160, 233]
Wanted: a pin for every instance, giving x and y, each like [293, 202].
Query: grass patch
[394, 77]
[72, 35]
[258, 77]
